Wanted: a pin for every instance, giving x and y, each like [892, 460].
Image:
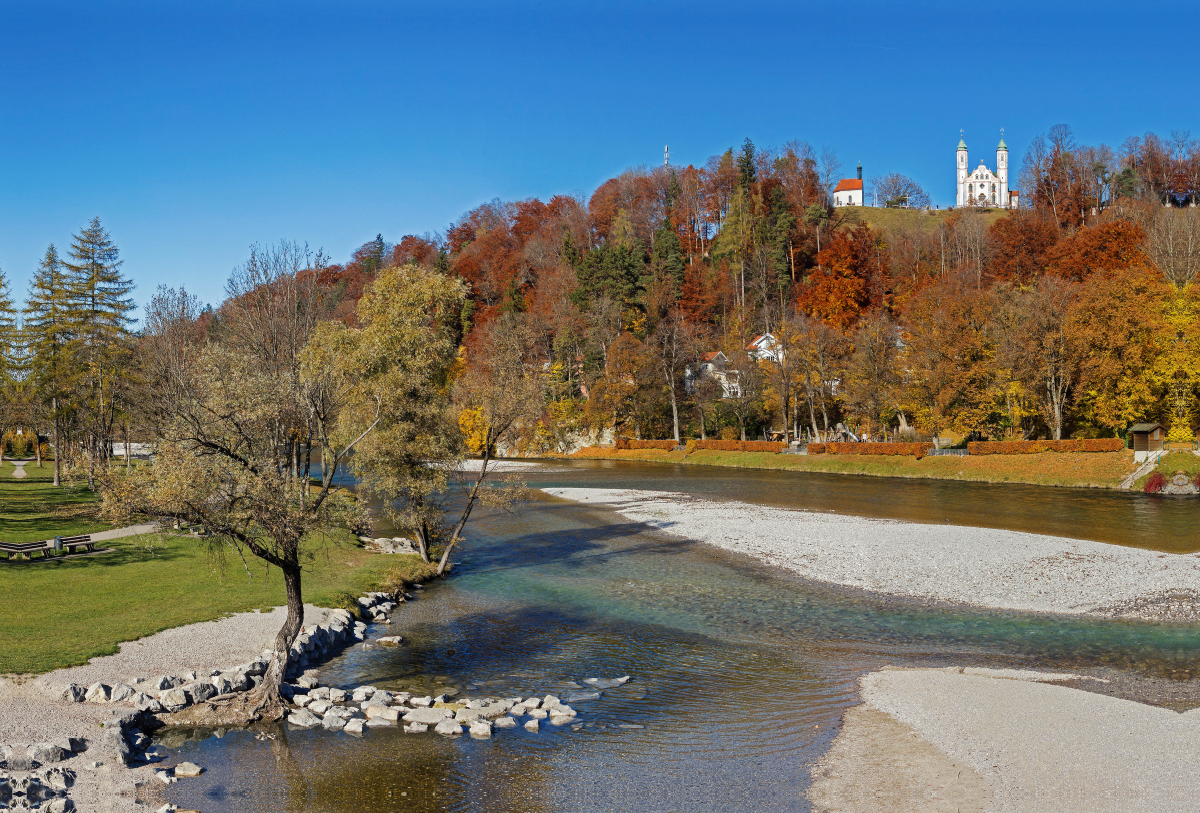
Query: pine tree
[100, 306]
[48, 340]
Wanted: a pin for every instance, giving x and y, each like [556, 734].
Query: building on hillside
[1147, 437]
[765, 348]
[713, 366]
[981, 186]
[849, 191]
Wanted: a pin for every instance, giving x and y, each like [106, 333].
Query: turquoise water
[740, 672]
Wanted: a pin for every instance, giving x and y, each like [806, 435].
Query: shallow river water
[739, 672]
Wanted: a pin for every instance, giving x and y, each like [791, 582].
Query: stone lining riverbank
[994, 569]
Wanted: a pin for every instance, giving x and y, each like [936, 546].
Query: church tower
[962, 172]
[1002, 170]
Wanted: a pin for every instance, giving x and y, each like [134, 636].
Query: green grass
[1170, 463]
[33, 509]
[887, 219]
[1078, 470]
[65, 611]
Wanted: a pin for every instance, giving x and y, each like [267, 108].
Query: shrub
[691, 446]
[1155, 483]
[627, 443]
[1038, 446]
[738, 445]
[917, 450]
[816, 448]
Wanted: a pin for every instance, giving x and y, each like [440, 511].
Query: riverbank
[1060, 469]
[982, 567]
[1004, 741]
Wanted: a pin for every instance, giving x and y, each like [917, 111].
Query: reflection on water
[740, 672]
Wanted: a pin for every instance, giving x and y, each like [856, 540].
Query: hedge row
[892, 449]
[736, 445]
[627, 443]
[1035, 446]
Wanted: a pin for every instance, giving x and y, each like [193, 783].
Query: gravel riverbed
[982, 567]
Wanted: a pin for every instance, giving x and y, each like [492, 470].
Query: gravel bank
[976, 566]
[1006, 744]
[33, 710]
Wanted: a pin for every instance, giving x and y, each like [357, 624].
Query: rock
[468, 715]
[538, 714]
[200, 690]
[319, 707]
[386, 712]
[164, 683]
[307, 682]
[354, 726]
[337, 695]
[163, 776]
[448, 728]
[531, 725]
[58, 778]
[173, 700]
[481, 729]
[97, 693]
[379, 722]
[495, 710]
[187, 769]
[416, 728]
[303, 700]
[144, 702]
[59, 806]
[504, 722]
[532, 703]
[333, 721]
[550, 700]
[389, 640]
[74, 693]
[606, 683]
[45, 752]
[518, 710]
[559, 719]
[427, 716]
[188, 677]
[420, 702]
[320, 693]
[76, 745]
[441, 698]
[362, 693]
[304, 719]
[239, 681]
[120, 693]
[224, 685]
[573, 698]
[382, 697]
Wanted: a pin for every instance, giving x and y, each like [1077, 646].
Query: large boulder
[165, 683]
[354, 726]
[200, 690]
[427, 716]
[174, 700]
[144, 702]
[97, 693]
[333, 721]
[74, 693]
[448, 728]
[505, 722]
[386, 712]
[304, 719]
[45, 752]
[120, 693]
[186, 769]
[481, 729]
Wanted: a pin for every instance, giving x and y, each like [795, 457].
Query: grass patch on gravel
[1069, 469]
[66, 611]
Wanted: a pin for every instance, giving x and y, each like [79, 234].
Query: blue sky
[194, 130]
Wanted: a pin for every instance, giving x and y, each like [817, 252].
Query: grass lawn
[1073, 469]
[1170, 463]
[65, 611]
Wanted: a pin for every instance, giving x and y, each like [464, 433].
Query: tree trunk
[423, 542]
[37, 448]
[57, 447]
[703, 428]
[674, 406]
[445, 560]
[269, 702]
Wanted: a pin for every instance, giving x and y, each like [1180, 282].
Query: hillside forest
[1075, 316]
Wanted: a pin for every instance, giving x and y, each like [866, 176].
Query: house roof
[848, 185]
[755, 341]
[712, 356]
[1146, 427]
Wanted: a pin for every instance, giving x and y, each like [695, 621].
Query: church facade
[982, 186]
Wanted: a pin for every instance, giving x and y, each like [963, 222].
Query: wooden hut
[1148, 437]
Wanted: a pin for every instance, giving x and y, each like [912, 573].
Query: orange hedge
[627, 443]
[816, 448]
[738, 445]
[892, 449]
[1036, 446]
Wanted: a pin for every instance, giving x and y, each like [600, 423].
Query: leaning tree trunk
[270, 702]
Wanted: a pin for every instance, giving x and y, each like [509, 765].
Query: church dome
[1003, 146]
[962, 145]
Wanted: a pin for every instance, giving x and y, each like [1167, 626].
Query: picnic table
[47, 547]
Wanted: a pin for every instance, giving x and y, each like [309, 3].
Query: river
[739, 672]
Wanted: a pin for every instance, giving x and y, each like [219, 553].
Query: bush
[627, 443]
[738, 445]
[1155, 483]
[917, 450]
[816, 448]
[1038, 446]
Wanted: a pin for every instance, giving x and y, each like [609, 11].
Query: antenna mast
[667, 155]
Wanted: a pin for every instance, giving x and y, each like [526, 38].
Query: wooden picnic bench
[48, 546]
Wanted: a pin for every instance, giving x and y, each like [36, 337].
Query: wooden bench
[47, 546]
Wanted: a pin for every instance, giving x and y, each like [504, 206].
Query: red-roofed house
[849, 191]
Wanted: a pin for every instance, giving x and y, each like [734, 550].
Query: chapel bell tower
[1002, 169]
[962, 171]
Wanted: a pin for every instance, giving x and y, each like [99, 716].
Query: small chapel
[981, 186]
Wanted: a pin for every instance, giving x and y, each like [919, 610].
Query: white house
[849, 191]
[982, 186]
[712, 365]
[765, 348]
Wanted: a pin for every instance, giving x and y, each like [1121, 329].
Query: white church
[981, 186]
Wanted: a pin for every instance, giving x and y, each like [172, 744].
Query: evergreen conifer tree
[48, 337]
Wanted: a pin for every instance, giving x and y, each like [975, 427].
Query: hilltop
[889, 219]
